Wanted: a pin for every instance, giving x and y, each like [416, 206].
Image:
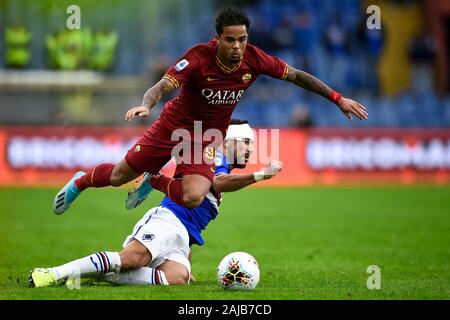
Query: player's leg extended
[134, 257]
[168, 273]
[180, 192]
[103, 175]
[195, 188]
[93, 265]
[189, 191]
[196, 178]
[157, 238]
[148, 154]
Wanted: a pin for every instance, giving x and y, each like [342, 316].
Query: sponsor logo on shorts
[212, 79]
[148, 237]
[137, 148]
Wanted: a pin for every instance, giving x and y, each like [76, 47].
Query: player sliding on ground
[157, 252]
[213, 77]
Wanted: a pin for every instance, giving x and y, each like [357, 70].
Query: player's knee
[191, 204]
[178, 278]
[117, 179]
[181, 280]
[133, 259]
[192, 199]
[120, 175]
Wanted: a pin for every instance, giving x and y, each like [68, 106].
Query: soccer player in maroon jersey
[212, 78]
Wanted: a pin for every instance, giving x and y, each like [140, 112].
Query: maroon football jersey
[209, 89]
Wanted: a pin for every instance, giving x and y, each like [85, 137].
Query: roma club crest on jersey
[246, 77]
[181, 65]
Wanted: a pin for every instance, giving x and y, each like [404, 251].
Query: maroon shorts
[154, 150]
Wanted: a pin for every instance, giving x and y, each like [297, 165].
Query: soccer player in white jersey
[157, 251]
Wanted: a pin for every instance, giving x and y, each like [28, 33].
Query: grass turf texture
[311, 243]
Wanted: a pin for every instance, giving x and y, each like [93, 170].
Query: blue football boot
[140, 193]
[67, 195]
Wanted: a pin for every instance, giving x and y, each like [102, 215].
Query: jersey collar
[226, 69]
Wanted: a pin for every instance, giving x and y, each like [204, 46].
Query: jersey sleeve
[221, 164]
[184, 69]
[270, 65]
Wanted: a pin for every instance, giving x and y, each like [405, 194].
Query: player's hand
[350, 107]
[273, 169]
[140, 111]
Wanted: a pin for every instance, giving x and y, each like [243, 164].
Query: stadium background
[63, 95]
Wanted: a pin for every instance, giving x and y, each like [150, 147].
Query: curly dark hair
[231, 17]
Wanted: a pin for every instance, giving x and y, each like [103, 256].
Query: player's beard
[233, 61]
[235, 58]
[238, 165]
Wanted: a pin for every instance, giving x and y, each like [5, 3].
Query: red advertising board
[49, 156]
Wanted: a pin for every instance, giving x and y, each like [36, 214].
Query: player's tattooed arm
[155, 93]
[151, 98]
[307, 81]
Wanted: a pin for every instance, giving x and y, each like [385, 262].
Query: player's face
[242, 149]
[232, 43]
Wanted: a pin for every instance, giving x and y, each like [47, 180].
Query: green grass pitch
[311, 243]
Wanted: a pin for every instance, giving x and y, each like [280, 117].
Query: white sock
[94, 265]
[142, 276]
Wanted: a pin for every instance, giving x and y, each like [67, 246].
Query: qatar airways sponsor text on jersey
[222, 96]
[209, 89]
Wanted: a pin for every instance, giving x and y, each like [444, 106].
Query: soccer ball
[238, 271]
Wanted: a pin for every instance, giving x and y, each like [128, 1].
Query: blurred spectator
[336, 44]
[300, 117]
[335, 39]
[421, 53]
[259, 34]
[157, 67]
[327, 38]
[304, 40]
[284, 35]
[371, 41]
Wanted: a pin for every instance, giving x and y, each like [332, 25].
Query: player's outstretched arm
[151, 98]
[309, 82]
[234, 182]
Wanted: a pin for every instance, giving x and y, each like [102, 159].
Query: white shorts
[163, 234]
